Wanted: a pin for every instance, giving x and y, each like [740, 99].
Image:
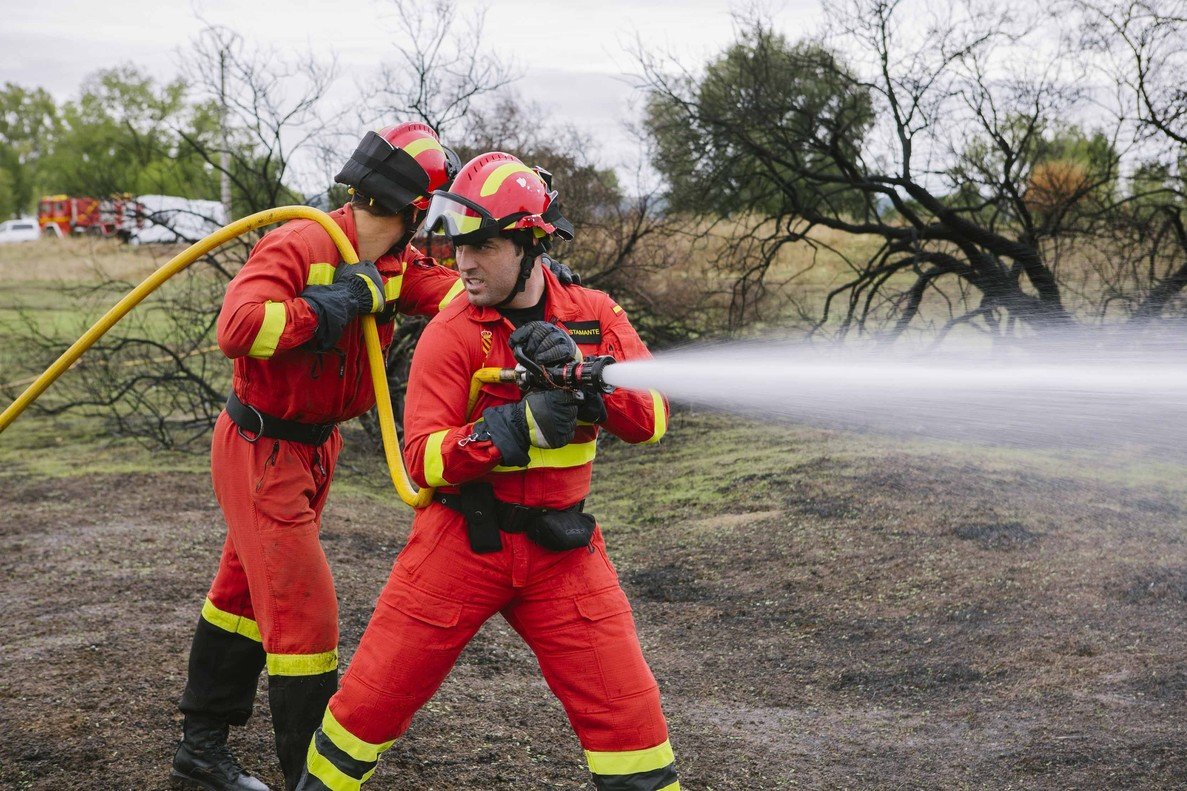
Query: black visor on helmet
[387, 174]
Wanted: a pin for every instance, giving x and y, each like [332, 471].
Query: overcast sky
[574, 55]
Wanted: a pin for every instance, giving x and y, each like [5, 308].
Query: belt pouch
[477, 502]
[562, 530]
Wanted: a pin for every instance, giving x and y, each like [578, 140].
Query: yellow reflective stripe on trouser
[350, 744]
[264, 345]
[331, 776]
[302, 664]
[453, 291]
[434, 460]
[320, 275]
[229, 622]
[573, 455]
[661, 419]
[631, 762]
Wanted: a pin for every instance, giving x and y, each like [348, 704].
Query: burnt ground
[821, 611]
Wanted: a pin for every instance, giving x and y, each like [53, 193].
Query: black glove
[591, 408]
[545, 418]
[356, 289]
[365, 284]
[545, 344]
[566, 276]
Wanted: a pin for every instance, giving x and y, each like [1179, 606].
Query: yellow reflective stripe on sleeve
[331, 776]
[264, 346]
[661, 419]
[391, 288]
[501, 174]
[434, 460]
[302, 664]
[573, 455]
[320, 275]
[673, 787]
[453, 291]
[229, 622]
[630, 762]
[350, 744]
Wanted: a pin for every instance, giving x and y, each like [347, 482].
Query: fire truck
[64, 215]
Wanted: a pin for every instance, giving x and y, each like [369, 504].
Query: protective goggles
[462, 219]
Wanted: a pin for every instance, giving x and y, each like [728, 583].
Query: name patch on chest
[585, 331]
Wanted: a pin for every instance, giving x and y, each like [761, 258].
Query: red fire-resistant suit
[568, 606]
[273, 597]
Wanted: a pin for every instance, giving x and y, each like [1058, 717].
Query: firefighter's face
[489, 269]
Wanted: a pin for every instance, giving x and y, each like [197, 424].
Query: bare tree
[440, 70]
[263, 112]
[1141, 48]
[943, 131]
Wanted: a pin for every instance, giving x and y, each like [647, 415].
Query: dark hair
[522, 238]
[372, 207]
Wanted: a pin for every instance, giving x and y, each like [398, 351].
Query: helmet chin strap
[525, 270]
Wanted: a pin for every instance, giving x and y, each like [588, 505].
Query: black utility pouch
[562, 530]
[477, 502]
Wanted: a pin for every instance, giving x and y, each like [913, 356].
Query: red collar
[345, 219]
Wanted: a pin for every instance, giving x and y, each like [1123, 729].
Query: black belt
[254, 424]
[512, 517]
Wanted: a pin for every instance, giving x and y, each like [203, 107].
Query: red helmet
[399, 166]
[496, 192]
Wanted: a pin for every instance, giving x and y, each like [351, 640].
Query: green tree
[120, 135]
[28, 123]
[763, 94]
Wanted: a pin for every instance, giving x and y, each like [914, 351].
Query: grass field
[822, 610]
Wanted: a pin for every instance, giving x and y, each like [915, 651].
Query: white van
[19, 231]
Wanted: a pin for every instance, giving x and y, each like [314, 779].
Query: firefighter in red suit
[288, 322]
[506, 532]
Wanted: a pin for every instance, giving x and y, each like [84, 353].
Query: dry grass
[81, 259]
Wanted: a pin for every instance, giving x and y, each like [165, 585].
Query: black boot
[298, 704]
[223, 670]
[203, 760]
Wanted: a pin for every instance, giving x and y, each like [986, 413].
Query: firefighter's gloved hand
[545, 344]
[545, 419]
[564, 274]
[357, 288]
[591, 408]
[365, 285]
[334, 306]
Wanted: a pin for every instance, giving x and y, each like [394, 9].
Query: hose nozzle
[586, 375]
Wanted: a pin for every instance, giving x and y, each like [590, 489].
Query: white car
[19, 231]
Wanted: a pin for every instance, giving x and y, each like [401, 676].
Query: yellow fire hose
[387, 424]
